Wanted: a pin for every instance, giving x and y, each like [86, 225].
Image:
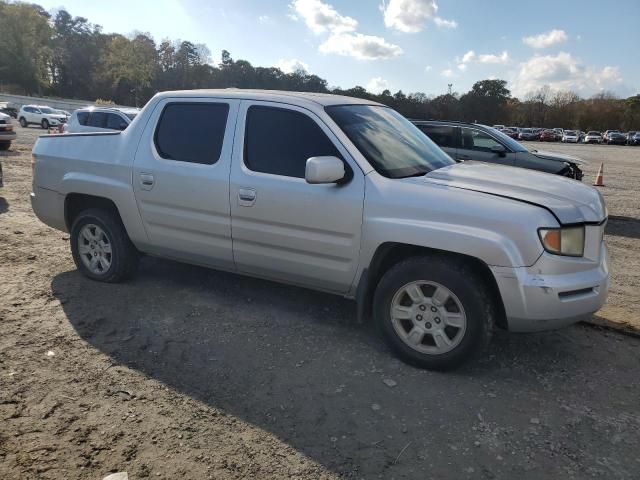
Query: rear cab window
[279, 141]
[191, 132]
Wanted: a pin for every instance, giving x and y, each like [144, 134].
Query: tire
[117, 265]
[5, 145]
[470, 298]
[45, 124]
[23, 122]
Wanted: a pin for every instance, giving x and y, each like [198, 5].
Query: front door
[181, 180]
[477, 145]
[283, 227]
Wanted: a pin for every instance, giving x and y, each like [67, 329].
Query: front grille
[3, 122]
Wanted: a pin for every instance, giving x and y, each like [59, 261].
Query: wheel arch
[75, 203]
[389, 254]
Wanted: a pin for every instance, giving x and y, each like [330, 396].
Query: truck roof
[323, 99]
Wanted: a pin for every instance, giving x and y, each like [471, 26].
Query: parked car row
[89, 119]
[613, 137]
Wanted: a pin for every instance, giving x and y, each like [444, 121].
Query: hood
[55, 115]
[558, 157]
[568, 200]
[4, 116]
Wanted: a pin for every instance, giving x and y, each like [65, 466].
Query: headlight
[563, 241]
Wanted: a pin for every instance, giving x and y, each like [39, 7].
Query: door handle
[246, 197]
[146, 181]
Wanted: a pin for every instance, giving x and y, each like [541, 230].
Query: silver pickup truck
[336, 194]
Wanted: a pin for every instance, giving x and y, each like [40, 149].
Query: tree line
[70, 57]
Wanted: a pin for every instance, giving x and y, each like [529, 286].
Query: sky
[411, 45]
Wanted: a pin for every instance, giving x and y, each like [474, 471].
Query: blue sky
[410, 45]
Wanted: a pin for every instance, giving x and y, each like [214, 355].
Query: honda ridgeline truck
[336, 194]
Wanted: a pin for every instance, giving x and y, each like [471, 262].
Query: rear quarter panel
[96, 164]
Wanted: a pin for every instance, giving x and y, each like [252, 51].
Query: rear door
[445, 136]
[283, 227]
[477, 145]
[181, 179]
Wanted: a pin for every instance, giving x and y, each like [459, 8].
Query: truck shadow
[292, 362]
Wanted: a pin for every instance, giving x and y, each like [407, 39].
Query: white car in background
[593, 137]
[40, 115]
[100, 119]
[570, 136]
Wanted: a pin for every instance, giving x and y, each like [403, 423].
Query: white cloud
[468, 57]
[563, 72]
[362, 47]
[442, 23]
[410, 16]
[321, 17]
[546, 39]
[377, 85]
[471, 57]
[290, 65]
[428, 68]
[491, 58]
[448, 73]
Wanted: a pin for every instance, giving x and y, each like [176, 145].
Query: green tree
[25, 47]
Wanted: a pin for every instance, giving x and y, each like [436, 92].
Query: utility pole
[449, 85]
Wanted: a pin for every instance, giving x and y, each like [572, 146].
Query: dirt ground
[190, 373]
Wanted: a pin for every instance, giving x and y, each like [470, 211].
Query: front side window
[442, 135]
[279, 141]
[115, 122]
[391, 144]
[192, 132]
[473, 139]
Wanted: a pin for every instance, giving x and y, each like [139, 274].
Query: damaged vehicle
[472, 141]
[336, 194]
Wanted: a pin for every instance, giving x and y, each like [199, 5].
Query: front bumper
[7, 136]
[536, 301]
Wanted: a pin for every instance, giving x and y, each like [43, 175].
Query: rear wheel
[23, 122]
[5, 145]
[101, 247]
[434, 312]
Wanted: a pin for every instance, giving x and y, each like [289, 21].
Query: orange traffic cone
[599, 178]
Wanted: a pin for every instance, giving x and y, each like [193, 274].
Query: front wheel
[45, 124]
[434, 312]
[101, 247]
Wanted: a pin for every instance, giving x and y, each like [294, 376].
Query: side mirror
[324, 170]
[499, 149]
[123, 126]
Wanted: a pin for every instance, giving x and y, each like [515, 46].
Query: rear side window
[82, 117]
[441, 135]
[97, 119]
[192, 132]
[279, 141]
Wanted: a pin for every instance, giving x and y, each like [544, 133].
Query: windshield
[593, 133]
[47, 110]
[508, 141]
[131, 115]
[390, 143]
